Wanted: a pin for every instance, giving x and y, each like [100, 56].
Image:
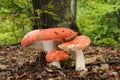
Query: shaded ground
[103, 63]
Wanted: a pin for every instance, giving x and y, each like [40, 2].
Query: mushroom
[77, 45]
[45, 38]
[55, 56]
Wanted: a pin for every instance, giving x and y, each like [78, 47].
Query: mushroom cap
[56, 56]
[46, 34]
[79, 42]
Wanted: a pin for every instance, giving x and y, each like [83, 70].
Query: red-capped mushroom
[77, 45]
[55, 56]
[47, 37]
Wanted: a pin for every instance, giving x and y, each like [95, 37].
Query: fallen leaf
[93, 59]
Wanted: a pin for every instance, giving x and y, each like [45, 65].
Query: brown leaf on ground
[24, 76]
[94, 59]
[116, 76]
[17, 63]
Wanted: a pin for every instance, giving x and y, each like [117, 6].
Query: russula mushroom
[47, 37]
[77, 45]
[55, 56]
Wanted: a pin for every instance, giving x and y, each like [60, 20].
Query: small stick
[94, 63]
[5, 70]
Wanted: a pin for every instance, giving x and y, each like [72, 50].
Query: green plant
[15, 21]
[99, 19]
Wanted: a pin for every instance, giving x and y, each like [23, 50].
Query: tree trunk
[61, 16]
[73, 8]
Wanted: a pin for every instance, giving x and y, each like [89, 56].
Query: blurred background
[98, 19]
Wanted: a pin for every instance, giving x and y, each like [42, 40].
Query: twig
[6, 70]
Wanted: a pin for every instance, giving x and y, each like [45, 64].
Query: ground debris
[17, 63]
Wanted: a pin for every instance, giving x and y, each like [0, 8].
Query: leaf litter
[16, 63]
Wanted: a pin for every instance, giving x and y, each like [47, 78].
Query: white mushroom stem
[80, 61]
[56, 64]
[48, 47]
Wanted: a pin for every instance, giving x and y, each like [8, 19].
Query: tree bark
[65, 17]
[73, 8]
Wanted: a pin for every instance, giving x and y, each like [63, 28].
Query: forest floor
[102, 63]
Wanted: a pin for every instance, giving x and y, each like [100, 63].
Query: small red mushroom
[56, 56]
[77, 45]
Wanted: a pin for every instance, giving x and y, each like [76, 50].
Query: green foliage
[39, 12]
[15, 21]
[21, 3]
[46, 9]
[107, 41]
[99, 19]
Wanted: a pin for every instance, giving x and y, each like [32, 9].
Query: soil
[16, 63]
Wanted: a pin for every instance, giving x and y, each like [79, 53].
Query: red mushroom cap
[78, 43]
[81, 41]
[56, 56]
[46, 34]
